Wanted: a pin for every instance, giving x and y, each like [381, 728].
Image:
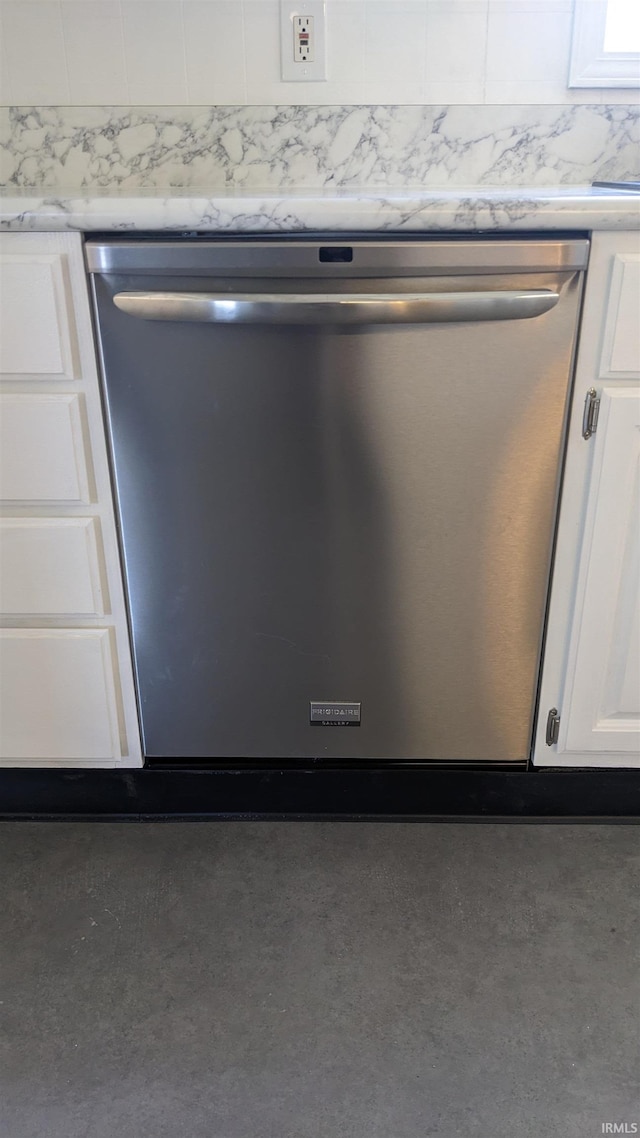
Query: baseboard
[408, 793]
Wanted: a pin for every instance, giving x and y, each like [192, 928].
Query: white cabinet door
[51, 567]
[621, 341]
[591, 670]
[42, 452]
[601, 705]
[58, 695]
[66, 681]
[37, 333]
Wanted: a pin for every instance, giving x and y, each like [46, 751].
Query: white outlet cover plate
[291, 71]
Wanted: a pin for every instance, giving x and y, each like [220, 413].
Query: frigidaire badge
[334, 714]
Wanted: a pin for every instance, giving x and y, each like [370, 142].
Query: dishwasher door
[336, 470]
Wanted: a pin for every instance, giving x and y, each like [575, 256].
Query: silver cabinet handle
[342, 308]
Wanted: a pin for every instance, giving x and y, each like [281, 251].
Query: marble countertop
[355, 210]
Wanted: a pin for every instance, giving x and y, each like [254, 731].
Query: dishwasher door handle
[336, 308]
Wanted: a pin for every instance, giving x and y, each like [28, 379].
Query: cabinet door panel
[621, 344]
[37, 337]
[58, 697]
[42, 455]
[50, 567]
[602, 709]
[67, 695]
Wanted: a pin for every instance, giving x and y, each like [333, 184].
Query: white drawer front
[37, 337]
[57, 698]
[42, 450]
[621, 343]
[50, 567]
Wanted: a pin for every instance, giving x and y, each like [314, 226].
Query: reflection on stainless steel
[522, 483]
[319, 513]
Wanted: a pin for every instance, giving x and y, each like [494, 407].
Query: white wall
[194, 52]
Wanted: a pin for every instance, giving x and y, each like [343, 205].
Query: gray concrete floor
[318, 980]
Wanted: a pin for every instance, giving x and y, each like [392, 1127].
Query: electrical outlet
[303, 41]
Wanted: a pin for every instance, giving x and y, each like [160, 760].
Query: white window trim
[591, 65]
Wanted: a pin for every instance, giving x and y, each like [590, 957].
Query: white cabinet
[620, 357]
[66, 680]
[35, 293]
[591, 671]
[51, 567]
[58, 697]
[42, 454]
[601, 707]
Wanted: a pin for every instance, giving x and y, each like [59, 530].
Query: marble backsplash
[248, 148]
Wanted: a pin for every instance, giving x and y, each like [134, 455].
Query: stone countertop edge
[409, 210]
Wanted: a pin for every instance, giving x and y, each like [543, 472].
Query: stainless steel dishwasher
[336, 466]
